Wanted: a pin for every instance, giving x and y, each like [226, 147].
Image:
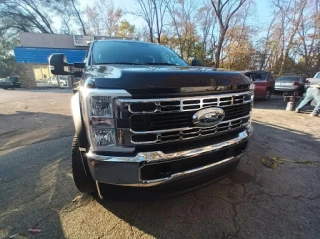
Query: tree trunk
[293, 33]
[79, 17]
[219, 47]
[157, 21]
[151, 34]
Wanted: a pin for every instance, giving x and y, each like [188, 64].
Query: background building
[35, 50]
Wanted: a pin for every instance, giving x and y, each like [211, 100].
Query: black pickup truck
[144, 118]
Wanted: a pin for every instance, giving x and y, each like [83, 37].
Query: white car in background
[314, 80]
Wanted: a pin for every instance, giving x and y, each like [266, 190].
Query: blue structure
[41, 55]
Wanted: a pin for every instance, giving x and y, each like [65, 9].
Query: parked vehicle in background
[291, 83]
[264, 83]
[313, 81]
[10, 82]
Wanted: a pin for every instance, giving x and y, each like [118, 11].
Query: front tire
[82, 177]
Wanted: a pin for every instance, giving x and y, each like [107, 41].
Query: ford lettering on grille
[208, 117]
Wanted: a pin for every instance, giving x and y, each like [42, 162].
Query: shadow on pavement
[24, 128]
[35, 173]
[41, 90]
[277, 103]
[35, 183]
[254, 202]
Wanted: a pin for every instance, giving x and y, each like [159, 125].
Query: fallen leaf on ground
[269, 162]
[34, 230]
[77, 198]
[18, 236]
[13, 236]
[274, 162]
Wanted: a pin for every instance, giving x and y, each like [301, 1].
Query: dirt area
[37, 191]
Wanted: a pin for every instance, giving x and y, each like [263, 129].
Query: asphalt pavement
[37, 190]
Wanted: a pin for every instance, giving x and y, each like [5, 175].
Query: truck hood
[177, 78]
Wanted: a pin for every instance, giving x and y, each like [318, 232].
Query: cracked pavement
[36, 187]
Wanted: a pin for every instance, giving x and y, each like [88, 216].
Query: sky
[262, 10]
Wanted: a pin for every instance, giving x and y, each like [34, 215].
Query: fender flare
[78, 121]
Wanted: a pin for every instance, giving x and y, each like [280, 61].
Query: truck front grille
[151, 122]
[154, 121]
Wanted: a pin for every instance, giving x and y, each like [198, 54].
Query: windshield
[289, 78]
[317, 75]
[112, 52]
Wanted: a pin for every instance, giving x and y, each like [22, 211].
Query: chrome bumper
[125, 171]
[283, 88]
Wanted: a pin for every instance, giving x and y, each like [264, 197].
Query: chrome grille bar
[184, 103]
[174, 135]
[165, 136]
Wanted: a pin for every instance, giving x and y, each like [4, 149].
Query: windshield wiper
[120, 63]
[159, 63]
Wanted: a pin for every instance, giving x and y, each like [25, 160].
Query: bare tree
[110, 17]
[78, 16]
[292, 11]
[25, 15]
[206, 23]
[160, 8]
[94, 20]
[153, 13]
[224, 10]
[146, 12]
[103, 18]
[182, 14]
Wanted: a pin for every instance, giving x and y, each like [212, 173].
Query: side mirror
[196, 62]
[58, 64]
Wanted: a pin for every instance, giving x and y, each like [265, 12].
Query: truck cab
[143, 117]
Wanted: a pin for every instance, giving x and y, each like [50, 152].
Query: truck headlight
[101, 106]
[104, 136]
[99, 117]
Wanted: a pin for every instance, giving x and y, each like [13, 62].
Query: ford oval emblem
[208, 117]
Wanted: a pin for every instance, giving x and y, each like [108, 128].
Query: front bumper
[154, 168]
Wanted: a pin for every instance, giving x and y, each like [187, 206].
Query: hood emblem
[208, 117]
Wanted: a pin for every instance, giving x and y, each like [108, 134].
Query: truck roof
[125, 40]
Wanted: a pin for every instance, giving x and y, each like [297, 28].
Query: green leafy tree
[7, 60]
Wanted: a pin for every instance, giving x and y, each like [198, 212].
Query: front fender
[78, 121]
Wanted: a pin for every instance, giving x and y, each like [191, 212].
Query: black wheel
[81, 175]
[267, 95]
